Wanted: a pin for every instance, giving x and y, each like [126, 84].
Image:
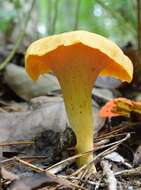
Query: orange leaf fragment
[120, 107]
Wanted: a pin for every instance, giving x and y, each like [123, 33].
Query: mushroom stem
[79, 110]
[77, 97]
[76, 82]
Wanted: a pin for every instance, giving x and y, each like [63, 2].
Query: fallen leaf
[120, 107]
[16, 77]
[47, 113]
[116, 157]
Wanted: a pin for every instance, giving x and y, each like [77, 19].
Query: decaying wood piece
[110, 177]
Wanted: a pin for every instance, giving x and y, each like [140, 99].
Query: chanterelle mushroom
[77, 58]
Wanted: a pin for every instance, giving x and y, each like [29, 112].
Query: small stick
[69, 159]
[78, 179]
[114, 147]
[109, 150]
[86, 176]
[58, 179]
[110, 144]
[35, 168]
[130, 172]
[118, 129]
[16, 143]
[114, 135]
[4, 162]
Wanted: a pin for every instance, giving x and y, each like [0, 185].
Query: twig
[130, 172]
[102, 154]
[60, 180]
[35, 168]
[86, 175]
[79, 179]
[111, 149]
[69, 159]
[116, 130]
[114, 135]
[107, 151]
[110, 144]
[77, 11]
[16, 143]
[111, 180]
[19, 38]
[23, 158]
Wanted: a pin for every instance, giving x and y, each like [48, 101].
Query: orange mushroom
[77, 58]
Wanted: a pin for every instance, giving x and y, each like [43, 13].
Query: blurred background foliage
[115, 19]
[23, 21]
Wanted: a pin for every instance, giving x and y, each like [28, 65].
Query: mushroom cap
[118, 65]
